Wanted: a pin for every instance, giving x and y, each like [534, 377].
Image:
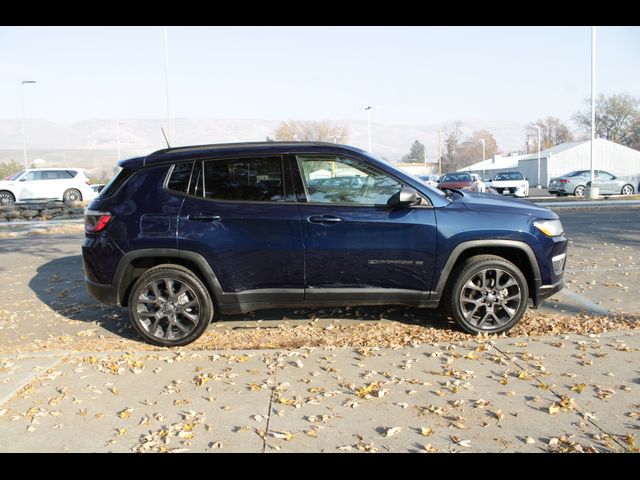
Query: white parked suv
[40, 184]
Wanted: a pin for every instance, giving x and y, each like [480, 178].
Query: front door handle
[201, 217]
[324, 219]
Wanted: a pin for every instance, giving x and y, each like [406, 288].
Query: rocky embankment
[56, 210]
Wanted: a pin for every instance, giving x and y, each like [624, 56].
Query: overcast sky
[414, 75]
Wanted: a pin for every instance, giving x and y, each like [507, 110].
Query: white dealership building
[621, 161]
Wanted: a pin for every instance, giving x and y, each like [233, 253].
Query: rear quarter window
[179, 177]
[116, 182]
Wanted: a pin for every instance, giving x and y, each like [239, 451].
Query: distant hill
[95, 141]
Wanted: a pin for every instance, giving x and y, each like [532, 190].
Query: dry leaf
[390, 432]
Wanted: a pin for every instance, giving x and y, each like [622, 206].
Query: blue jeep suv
[185, 234]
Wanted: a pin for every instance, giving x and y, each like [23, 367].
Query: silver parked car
[575, 183]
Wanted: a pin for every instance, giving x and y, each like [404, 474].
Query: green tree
[9, 168]
[552, 132]
[617, 119]
[451, 142]
[416, 154]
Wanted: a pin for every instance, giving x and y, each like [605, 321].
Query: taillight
[562, 180]
[88, 182]
[95, 222]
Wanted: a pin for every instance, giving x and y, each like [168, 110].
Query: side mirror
[489, 180]
[23, 179]
[404, 198]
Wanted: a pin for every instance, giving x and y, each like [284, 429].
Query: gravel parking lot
[335, 379]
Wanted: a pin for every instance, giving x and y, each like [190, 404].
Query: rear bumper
[104, 293]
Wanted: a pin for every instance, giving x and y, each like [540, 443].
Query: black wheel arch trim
[470, 244]
[209, 277]
[233, 301]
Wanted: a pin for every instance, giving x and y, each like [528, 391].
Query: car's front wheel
[489, 294]
[170, 306]
[7, 198]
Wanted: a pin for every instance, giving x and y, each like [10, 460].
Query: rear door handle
[201, 217]
[324, 219]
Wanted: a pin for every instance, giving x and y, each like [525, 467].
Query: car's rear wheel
[579, 191]
[627, 190]
[7, 198]
[489, 295]
[72, 195]
[170, 306]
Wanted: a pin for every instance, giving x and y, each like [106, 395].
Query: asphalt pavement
[551, 393]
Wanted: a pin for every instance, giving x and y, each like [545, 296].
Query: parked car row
[504, 183]
[45, 184]
[515, 184]
[576, 183]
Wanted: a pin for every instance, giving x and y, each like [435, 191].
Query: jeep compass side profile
[187, 233]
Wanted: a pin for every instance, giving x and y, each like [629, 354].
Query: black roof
[242, 148]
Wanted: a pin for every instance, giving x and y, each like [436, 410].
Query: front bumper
[545, 291]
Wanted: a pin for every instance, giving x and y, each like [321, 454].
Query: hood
[486, 202]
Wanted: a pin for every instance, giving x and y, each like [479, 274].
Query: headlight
[551, 228]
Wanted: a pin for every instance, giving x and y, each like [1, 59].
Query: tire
[71, 195]
[496, 311]
[6, 198]
[164, 316]
[579, 191]
[627, 190]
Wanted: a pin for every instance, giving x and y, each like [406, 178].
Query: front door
[605, 181]
[236, 217]
[354, 243]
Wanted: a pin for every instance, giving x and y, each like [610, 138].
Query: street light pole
[538, 128]
[166, 76]
[118, 136]
[368, 109]
[592, 194]
[24, 137]
[483, 155]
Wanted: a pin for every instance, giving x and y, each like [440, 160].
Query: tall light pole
[592, 193]
[24, 137]
[368, 109]
[166, 77]
[538, 128]
[118, 137]
[483, 155]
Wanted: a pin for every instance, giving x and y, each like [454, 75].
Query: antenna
[165, 137]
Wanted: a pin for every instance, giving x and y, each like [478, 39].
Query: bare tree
[470, 150]
[617, 119]
[311, 131]
[552, 132]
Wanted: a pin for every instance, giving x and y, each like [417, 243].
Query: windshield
[15, 175]
[456, 177]
[509, 176]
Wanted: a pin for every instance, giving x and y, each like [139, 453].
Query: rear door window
[254, 179]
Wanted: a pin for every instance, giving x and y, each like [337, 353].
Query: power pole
[439, 155]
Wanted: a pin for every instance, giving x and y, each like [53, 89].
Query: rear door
[236, 216]
[355, 245]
